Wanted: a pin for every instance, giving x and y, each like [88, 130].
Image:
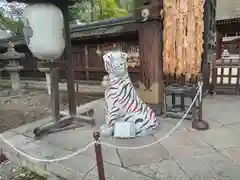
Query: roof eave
[228, 21]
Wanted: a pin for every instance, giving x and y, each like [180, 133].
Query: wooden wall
[88, 64]
[233, 47]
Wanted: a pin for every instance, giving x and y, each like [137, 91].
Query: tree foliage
[84, 11]
[10, 18]
[81, 12]
[106, 9]
[14, 26]
[126, 4]
[94, 10]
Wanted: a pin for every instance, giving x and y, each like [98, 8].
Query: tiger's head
[116, 63]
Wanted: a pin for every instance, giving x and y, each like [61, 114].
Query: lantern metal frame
[61, 122]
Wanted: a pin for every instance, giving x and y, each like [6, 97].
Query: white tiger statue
[121, 100]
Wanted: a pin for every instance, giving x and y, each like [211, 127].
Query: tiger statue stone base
[121, 100]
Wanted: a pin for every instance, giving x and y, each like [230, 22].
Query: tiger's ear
[124, 56]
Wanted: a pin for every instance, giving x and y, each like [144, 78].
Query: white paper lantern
[44, 30]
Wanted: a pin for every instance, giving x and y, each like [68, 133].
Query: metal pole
[68, 56]
[99, 157]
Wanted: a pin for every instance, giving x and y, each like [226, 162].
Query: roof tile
[228, 9]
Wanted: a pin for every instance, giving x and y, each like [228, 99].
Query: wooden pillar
[219, 44]
[68, 56]
[209, 44]
[219, 39]
[151, 75]
[150, 48]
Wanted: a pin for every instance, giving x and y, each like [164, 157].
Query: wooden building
[232, 44]
[132, 35]
[209, 40]
[227, 21]
[226, 69]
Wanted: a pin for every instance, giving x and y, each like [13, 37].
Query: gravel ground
[28, 108]
[25, 109]
[9, 171]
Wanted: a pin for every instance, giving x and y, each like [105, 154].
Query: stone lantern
[13, 67]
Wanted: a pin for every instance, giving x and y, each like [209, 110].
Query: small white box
[124, 129]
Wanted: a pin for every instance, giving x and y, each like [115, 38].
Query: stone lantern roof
[11, 54]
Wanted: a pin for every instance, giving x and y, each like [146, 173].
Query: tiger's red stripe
[122, 99]
[147, 110]
[135, 108]
[151, 114]
[129, 106]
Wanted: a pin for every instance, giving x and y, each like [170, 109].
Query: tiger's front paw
[106, 131]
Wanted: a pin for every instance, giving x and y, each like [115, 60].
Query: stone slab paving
[221, 138]
[141, 156]
[186, 144]
[234, 127]
[186, 154]
[222, 109]
[165, 169]
[205, 166]
[232, 154]
[113, 172]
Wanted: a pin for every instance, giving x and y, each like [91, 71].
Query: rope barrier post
[199, 123]
[200, 98]
[99, 157]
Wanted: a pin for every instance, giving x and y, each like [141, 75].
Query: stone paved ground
[186, 155]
